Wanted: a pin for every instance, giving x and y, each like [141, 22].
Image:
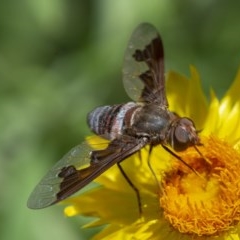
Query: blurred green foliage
[59, 59]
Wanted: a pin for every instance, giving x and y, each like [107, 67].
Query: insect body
[129, 127]
[156, 125]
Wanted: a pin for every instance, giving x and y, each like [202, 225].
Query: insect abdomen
[109, 121]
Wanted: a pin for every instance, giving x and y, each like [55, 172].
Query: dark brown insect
[129, 127]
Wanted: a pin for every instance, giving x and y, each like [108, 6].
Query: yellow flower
[189, 205]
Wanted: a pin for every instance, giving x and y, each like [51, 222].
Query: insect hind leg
[133, 187]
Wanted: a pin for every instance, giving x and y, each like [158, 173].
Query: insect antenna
[133, 187]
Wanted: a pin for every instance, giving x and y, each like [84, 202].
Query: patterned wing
[143, 68]
[45, 193]
[77, 168]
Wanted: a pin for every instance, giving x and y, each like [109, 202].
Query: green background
[59, 59]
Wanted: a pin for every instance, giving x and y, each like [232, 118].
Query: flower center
[207, 203]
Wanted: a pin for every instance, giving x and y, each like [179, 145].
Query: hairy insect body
[157, 124]
[131, 119]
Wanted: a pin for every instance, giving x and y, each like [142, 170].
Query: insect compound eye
[182, 134]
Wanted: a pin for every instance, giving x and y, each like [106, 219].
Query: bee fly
[129, 127]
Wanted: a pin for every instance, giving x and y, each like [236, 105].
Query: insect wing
[143, 67]
[45, 193]
[117, 150]
[74, 170]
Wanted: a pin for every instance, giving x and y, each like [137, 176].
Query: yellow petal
[211, 125]
[186, 96]
[233, 91]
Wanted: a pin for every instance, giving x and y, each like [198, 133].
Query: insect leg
[180, 159]
[132, 186]
[140, 157]
[151, 168]
[99, 155]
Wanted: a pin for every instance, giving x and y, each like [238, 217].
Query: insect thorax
[151, 121]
